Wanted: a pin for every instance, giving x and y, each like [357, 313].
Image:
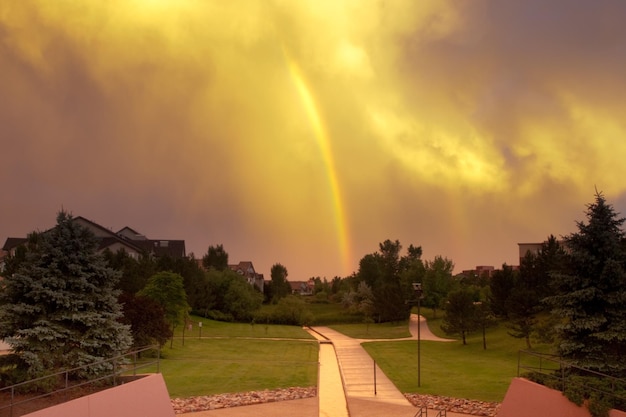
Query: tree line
[62, 302]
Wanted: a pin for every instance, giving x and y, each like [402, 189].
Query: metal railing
[559, 372]
[421, 412]
[122, 366]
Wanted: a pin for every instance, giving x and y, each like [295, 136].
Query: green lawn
[237, 357]
[213, 366]
[211, 328]
[450, 368]
[374, 331]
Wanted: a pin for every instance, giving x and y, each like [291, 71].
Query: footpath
[346, 384]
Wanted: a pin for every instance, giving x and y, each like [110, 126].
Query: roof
[126, 237]
[13, 242]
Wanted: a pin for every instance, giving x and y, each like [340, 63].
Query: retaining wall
[526, 398]
[145, 396]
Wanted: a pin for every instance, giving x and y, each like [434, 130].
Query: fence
[123, 367]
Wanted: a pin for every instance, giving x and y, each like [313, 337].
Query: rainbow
[323, 143]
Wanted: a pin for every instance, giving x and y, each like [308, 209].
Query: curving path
[346, 383]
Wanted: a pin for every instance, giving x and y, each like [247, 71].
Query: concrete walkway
[345, 386]
[364, 397]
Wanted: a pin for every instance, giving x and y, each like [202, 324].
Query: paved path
[364, 397]
[345, 386]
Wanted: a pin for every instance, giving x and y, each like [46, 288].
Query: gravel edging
[214, 402]
[455, 405]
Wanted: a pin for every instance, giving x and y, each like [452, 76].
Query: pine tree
[590, 294]
[59, 310]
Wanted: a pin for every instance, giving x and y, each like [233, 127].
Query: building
[302, 287]
[126, 239]
[524, 248]
[246, 270]
[485, 271]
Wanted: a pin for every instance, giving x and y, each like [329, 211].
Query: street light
[419, 292]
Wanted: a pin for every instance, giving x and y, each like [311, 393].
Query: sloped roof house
[132, 242]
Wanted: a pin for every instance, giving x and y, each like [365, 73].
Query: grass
[213, 366]
[237, 357]
[211, 328]
[450, 368]
[374, 331]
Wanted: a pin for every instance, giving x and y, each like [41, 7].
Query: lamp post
[419, 292]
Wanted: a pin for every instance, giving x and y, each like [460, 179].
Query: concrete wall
[145, 396]
[525, 398]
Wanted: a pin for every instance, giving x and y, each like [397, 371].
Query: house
[132, 242]
[246, 269]
[302, 287]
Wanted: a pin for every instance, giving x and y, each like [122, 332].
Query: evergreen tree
[501, 286]
[59, 309]
[590, 294]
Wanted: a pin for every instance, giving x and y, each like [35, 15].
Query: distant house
[302, 287]
[484, 271]
[132, 242]
[246, 269]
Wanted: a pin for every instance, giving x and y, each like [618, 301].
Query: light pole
[419, 292]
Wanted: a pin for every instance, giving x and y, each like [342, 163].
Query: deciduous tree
[279, 285]
[167, 289]
[461, 313]
[216, 258]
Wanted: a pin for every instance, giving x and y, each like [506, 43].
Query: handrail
[421, 412]
[553, 366]
[128, 360]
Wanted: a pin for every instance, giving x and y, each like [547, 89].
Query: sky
[307, 132]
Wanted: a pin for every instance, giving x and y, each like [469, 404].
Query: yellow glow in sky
[306, 132]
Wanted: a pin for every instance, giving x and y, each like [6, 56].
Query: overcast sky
[306, 132]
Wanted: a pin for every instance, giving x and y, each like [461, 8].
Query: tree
[389, 275]
[590, 294]
[60, 308]
[216, 258]
[531, 285]
[241, 299]
[135, 272]
[523, 305]
[279, 285]
[501, 286]
[146, 319]
[484, 319]
[437, 282]
[167, 289]
[461, 313]
[293, 310]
